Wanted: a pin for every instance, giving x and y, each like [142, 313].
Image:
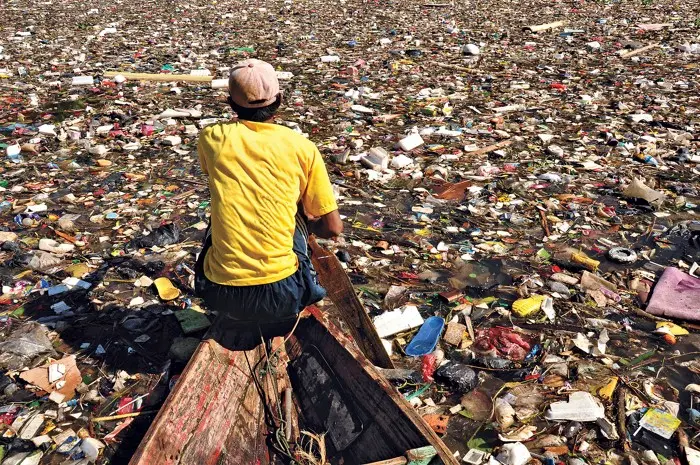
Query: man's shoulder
[216, 129]
[292, 136]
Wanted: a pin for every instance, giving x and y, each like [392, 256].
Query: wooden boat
[215, 413]
[224, 411]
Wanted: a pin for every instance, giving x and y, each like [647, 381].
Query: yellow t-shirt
[258, 172]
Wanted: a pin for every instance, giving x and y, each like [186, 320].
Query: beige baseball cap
[253, 84]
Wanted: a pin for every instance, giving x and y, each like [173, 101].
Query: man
[254, 269]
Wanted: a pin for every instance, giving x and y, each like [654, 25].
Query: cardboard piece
[39, 377]
[454, 333]
[638, 190]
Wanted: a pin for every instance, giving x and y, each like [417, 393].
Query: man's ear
[229, 100]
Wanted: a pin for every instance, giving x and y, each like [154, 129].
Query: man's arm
[200, 153]
[319, 201]
[327, 226]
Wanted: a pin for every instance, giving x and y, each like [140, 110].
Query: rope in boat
[274, 417]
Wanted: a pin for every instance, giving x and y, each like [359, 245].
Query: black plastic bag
[167, 234]
[458, 376]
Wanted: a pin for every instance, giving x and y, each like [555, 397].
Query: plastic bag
[24, 346]
[165, 235]
[460, 377]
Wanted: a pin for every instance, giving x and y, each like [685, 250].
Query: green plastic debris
[543, 255]
[192, 321]
[418, 392]
[639, 359]
[18, 313]
[237, 50]
[421, 455]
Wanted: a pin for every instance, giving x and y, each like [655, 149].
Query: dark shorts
[245, 314]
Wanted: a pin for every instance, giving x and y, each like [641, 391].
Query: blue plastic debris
[425, 341]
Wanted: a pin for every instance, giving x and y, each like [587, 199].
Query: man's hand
[328, 226]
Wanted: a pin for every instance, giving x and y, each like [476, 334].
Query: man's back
[258, 172]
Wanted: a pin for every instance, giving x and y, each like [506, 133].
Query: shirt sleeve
[201, 151]
[318, 198]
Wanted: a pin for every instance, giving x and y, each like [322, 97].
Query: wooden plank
[332, 277]
[544, 27]
[393, 426]
[160, 77]
[221, 416]
[214, 415]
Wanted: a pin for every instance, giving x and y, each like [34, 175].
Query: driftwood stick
[489, 148]
[638, 51]
[622, 418]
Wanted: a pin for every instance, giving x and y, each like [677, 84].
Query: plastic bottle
[648, 159]
[584, 260]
